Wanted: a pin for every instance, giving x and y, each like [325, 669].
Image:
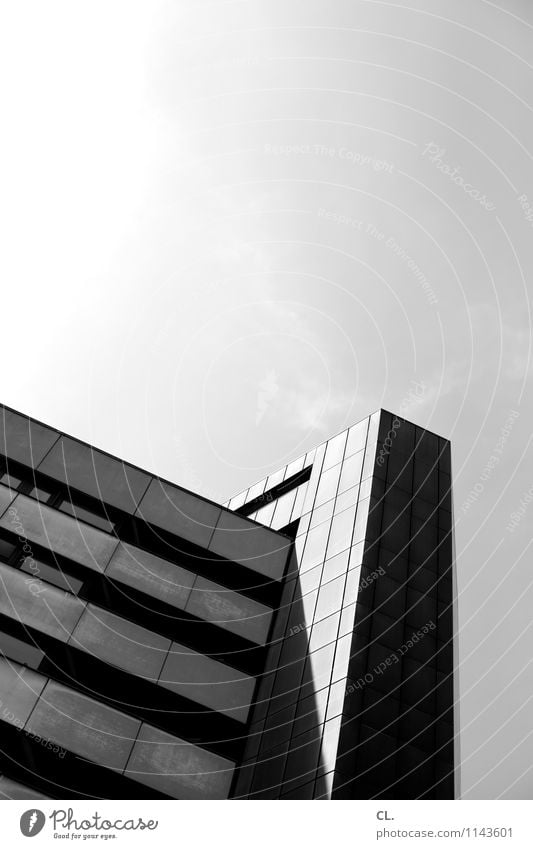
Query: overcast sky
[235, 228]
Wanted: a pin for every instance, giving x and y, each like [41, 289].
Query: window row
[111, 738]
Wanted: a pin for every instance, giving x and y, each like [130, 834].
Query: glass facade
[294, 644]
[358, 699]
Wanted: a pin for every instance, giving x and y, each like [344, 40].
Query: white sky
[173, 294]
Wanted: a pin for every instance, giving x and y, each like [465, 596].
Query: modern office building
[294, 644]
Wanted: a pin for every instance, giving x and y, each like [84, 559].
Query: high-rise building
[294, 644]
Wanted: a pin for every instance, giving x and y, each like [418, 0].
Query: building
[294, 644]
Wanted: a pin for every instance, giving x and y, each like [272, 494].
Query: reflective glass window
[330, 598]
[63, 534]
[347, 620]
[342, 657]
[38, 605]
[303, 525]
[319, 665]
[330, 743]
[255, 490]
[349, 497]
[351, 471]
[369, 464]
[335, 566]
[297, 510]
[373, 427]
[19, 688]
[334, 450]
[275, 478]
[322, 513]
[327, 487]
[238, 500]
[341, 532]
[295, 466]
[356, 438]
[310, 580]
[361, 520]
[264, 514]
[121, 643]
[208, 682]
[83, 726]
[324, 632]
[283, 511]
[315, 546]
[230, 610]
[151, 575]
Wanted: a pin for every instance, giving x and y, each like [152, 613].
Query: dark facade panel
[24, 440]
[97, 474]
[178, 511]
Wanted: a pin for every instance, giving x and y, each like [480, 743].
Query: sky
[232, 229]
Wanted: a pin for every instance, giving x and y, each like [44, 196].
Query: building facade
[296, 643]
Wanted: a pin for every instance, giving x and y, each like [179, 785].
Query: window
[6, 497]
[6, 550]
[341, 532]
[327, 487]
[56, 577]
[351, 471]
[334, 451]
[85, 515]
[356, 438]
[97, 474]
[19, 651]
[63, 534]
[40, 494]
[10, 481]
[330, 598]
